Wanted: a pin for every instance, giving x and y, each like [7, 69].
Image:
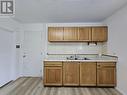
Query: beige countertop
[92, 58]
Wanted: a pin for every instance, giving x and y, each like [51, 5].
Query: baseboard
[30, 77]
[121, 91]
[6, 84]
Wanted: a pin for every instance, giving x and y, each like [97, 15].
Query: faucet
[75, 56]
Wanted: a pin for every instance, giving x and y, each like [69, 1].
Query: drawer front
[106, 65]
[53, 63]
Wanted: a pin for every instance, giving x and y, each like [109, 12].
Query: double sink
[75, 57]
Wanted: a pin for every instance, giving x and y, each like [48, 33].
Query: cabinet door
[84, 34]
[70, 33]
[55, 33]
[88, 74]
[106, 74]
[53, 76]
[99, 34]
[71, 74]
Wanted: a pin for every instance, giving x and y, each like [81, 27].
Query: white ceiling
[37, 11]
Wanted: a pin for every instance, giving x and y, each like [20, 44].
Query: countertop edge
[83, 60]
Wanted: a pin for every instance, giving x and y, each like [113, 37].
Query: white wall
[8, 23]
[6, 39]
[8, 65]
[7, 56]
[117, 25]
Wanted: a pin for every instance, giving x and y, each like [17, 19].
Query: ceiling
[43, 11]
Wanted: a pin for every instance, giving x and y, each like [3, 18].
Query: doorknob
[24, 56]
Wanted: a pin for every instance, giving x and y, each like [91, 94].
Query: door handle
[24, 56]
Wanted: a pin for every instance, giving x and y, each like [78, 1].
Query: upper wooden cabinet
[78, 34]
[99, 34]
[84, 34]
[55, 33]
[70, 33]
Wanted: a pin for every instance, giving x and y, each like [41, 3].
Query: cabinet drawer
[106, 65]
[48, 63]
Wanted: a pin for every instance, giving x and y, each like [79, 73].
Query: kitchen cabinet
[78, 34]
[84, 34]
[106, 74]
[99, 34]
[55, 33]
[70, 33]
[53, 74]
[70, 74]
[88, 74]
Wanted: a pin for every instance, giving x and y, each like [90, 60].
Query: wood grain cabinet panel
[53, 74]
[55, 33]
[70, 33]
[79, 73]
[78, 34]
[99, 34]
[84, 34]
[88, 74]
[106, 74]
[70, 74]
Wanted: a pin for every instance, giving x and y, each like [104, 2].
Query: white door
[32, 58]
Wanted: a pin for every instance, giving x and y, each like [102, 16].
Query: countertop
[91, 58]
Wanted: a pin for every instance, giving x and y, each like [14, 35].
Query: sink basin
[83, 58]
[68, 58]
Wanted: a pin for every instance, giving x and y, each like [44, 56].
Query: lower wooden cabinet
[88, 74]
[79, 74]
[106, 74]
[53, 74]
[70, 74]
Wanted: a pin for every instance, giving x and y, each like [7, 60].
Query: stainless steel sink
[83, 58]
[77, 58]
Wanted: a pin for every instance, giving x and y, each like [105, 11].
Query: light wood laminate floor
[34, 86]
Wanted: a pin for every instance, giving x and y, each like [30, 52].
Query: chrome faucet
[75, 56]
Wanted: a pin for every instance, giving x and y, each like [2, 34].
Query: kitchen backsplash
[76, 48]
